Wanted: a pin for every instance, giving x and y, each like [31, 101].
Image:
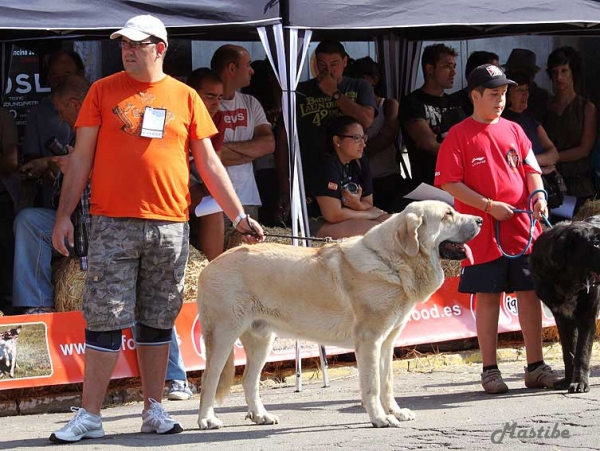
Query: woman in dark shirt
[571, 123]
[340, 195]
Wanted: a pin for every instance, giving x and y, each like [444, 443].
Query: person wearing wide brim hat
[521, 60]
[524, 61]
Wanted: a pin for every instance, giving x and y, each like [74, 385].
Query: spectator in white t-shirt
[248, 134]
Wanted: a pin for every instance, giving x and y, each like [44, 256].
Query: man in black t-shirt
[326, 96]
[427, 113]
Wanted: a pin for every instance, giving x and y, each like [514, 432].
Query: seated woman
[340, 195]
[516, 103]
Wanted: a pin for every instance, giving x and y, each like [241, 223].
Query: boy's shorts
[136, 273]
[501, 275]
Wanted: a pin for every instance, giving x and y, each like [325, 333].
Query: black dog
[565, 265]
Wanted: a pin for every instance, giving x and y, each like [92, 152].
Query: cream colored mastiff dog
[354, 294]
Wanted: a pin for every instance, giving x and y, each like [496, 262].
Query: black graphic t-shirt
[315, 109]
[440, 113]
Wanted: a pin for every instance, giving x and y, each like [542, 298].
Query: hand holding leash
[540, 209]
[250, 228]
[537, 207]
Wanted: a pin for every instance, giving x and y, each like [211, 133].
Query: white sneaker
[159, 421]
[179, 391]
[84, 425]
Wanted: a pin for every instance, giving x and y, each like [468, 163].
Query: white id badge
[153, 124]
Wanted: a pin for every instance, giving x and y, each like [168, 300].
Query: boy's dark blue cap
[488, 76]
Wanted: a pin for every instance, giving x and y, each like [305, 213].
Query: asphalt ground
[443, 390]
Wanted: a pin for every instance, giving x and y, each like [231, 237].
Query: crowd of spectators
[353, 138]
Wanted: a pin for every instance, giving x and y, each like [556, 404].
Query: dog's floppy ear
[408, 233]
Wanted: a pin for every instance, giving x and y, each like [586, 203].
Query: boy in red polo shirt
[487, 164]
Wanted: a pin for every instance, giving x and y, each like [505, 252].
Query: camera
[351, 187]
[56, 147]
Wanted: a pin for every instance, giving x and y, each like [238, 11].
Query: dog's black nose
[478, 221]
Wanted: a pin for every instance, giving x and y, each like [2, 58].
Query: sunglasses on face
[134, 45]
[356, 138]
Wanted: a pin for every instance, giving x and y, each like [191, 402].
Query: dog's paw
[404, 414]
[264, 418]
[579, 387]
[386, 422]
[209, 423]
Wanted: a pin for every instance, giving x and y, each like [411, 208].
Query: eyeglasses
[133, 45]
[356, 138]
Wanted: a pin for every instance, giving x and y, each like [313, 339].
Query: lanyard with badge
[153, 123]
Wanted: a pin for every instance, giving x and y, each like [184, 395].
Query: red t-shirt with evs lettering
[492, 160]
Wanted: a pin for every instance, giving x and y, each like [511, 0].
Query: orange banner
[39, 350]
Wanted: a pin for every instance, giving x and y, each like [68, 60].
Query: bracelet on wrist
[488, 205]
[239, 219]
[536, 200]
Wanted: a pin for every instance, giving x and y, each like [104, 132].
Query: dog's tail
[226, 379]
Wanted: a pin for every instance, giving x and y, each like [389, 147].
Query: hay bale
[589, 208]
[196, 263]
[451, 268]
[69, 281]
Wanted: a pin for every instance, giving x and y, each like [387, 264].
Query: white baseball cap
[142, 27]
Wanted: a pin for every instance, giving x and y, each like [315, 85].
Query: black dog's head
[566, 259]
[11, 334]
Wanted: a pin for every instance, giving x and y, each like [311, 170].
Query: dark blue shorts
[503, 275]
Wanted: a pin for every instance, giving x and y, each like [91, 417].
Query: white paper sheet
[207, 206]
[428, 192]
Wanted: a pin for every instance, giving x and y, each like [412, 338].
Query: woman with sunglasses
[340, 196]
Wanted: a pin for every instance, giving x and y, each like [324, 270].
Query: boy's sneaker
[541, 377]
[84, 425]
[179, 391]
[159, 421]
[492, 383]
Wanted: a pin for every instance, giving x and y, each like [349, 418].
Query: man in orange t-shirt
[135, 127]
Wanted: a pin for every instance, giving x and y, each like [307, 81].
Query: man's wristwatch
[336, 95]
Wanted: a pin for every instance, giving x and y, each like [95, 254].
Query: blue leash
[532, 223]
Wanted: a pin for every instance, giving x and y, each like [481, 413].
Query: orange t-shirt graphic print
[140, 177]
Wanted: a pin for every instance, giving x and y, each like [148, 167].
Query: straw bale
[69, 281]
[196, 263]
[589, 208]
[451, 268]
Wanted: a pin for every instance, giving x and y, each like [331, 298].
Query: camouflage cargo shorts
[136, 273]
